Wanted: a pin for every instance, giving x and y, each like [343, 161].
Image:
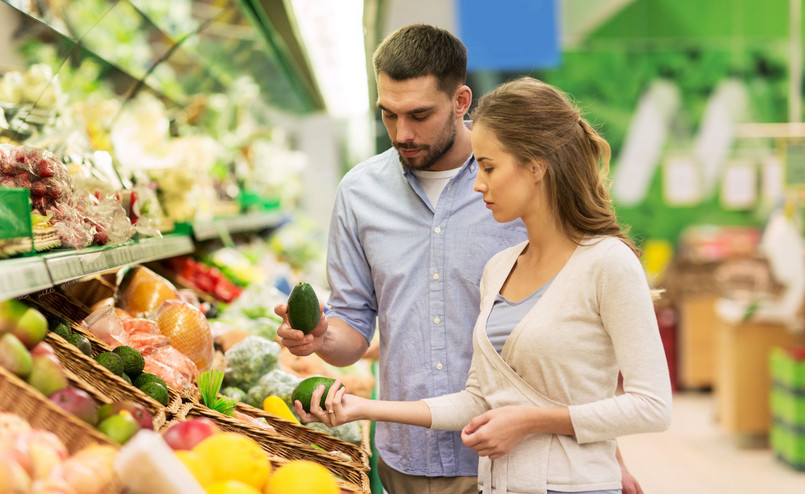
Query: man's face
[419, 118]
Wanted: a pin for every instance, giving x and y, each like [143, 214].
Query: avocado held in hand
[303, 308]
[304, 390]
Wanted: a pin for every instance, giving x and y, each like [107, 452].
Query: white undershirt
[433, 182]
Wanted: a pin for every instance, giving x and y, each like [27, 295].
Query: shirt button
[435, 276]
[438, 229]
[437, 320]
[439, 366]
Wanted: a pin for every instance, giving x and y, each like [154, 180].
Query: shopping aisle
[695, 456]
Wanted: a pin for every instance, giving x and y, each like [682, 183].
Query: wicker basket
[18, 397]
[57, 304]
[278, 445]
[307, 436]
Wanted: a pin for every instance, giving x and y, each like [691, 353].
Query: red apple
[185, 435]
[43, 349]
[78, 402]
[137, 411]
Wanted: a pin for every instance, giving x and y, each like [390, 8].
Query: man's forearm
[343, 345]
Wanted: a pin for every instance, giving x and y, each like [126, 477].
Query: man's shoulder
[372, 168]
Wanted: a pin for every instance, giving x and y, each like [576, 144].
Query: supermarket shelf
[68, 266]
[221, 227]
[22, 276]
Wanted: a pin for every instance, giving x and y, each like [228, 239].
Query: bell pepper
[275, 406]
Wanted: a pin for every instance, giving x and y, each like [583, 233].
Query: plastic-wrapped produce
[142, 290]
[248, 360]
[275, 383]
[188, 331]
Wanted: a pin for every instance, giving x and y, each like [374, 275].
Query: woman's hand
[498, 431]
[340, 407]
[297, 342]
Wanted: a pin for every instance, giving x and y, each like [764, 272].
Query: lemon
[196, 465]
[231, 487]
[302, 476]
[232, 456]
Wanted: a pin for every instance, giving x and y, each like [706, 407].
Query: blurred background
[223, 108]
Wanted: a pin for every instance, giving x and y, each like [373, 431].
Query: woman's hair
[419, 50]
[534, 122]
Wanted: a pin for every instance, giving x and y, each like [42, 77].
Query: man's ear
[463, 100]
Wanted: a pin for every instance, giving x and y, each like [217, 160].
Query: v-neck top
[506, 314]
[595, 320]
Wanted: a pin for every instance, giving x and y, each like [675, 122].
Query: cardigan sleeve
[627, 314]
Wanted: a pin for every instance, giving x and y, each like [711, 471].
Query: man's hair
[420, 50]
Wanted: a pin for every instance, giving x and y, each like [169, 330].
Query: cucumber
[303, 308]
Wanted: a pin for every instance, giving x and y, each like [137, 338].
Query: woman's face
[509, 188]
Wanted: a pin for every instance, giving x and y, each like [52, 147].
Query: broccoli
[250, 359]
[350, 432]
[236, 394]
[276, 382]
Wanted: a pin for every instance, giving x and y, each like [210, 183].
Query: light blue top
[506, 314]
[414, 270]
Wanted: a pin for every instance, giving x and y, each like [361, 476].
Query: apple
[185, 435]
[136, 410]
[31, 328]
[10, 312]
[39, 452]
[78, 402]
[46, 376]
[13, 478]
[119, 427]
[14, 356]
[45, 350]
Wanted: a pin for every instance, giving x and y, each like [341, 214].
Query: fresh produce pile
[80, 217]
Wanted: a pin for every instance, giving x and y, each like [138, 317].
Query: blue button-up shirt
[397, 263]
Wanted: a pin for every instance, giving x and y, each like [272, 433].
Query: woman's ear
[537, 168]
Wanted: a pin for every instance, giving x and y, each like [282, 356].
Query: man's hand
[297, 342]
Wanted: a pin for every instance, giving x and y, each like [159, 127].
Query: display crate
[788, 444]
[786, 370]
[788, 405]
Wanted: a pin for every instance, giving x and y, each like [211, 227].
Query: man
[408, 243]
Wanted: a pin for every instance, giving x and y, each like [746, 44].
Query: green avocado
[304, 390]
[111, 361]
[303, 308]
[133, 361]
[157, 392]
[145, 378]
[81, 342]
[60, 326]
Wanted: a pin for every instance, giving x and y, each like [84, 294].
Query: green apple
[120, 427]
[31, 328]
[14, 356]
[10, 312]
[46, 375]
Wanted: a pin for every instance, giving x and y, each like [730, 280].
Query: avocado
[111, 361]
[304, 390]
[133, 361]
[126, 378]
[81, 342]
[156, 391]
[303, 308]
[60, 327]
[145, 378]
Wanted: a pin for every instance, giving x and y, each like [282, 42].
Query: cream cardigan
[595, 319]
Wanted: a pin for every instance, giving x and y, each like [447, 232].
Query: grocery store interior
[168, 172]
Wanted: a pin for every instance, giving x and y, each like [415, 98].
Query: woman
[561, 314]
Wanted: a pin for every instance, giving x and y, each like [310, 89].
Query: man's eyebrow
[412, 112]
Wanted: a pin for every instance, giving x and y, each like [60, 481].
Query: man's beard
[432, 154]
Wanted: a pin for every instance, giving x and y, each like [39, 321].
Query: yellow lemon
[233, 456]
[196, 466]
[231, 487]
[302, 476]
